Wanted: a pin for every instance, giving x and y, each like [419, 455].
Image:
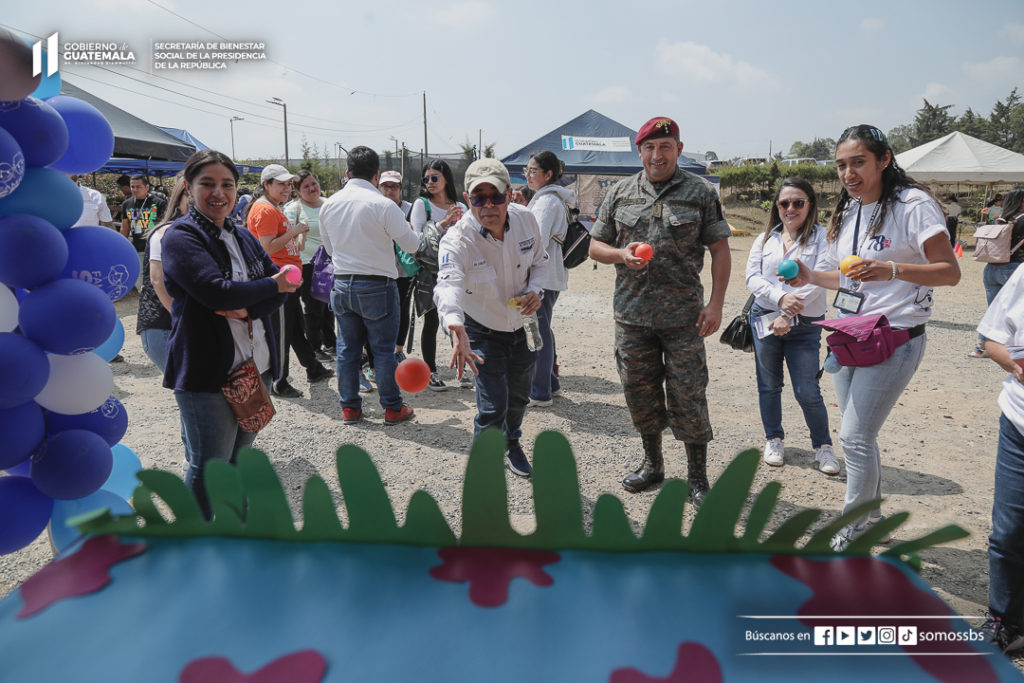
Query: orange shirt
[265, 219]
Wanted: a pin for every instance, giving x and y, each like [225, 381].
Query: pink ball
[292, 274]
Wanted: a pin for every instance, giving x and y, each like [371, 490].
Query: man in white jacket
[489, 260]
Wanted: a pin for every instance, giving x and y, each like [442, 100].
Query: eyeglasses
[431, 179]
[531, 171]
[797, 203]
[479, 200]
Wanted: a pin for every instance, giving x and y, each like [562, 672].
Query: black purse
[738, 334]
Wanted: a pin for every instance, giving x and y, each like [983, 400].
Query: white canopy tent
[959, 158]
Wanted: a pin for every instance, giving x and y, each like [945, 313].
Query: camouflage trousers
[664, 374]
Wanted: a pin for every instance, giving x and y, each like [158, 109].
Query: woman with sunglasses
[897, 230]
[548, 207]
[438, 203]
[791, 232]
[318, 321]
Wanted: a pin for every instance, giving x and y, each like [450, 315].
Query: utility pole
[232, 123]
[280, 103]
[426, 150]
[480, 146]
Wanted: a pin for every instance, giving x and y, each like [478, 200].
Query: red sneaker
[350, 416]
[393, 417]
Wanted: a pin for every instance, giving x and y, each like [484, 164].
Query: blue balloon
[102, 257]
[48, 194]
[90, 137]
[122, 480]
[22, 429]
[64, 535]
[24, 370]
[67, 317]
[34, 251]
[71, 464]
[22, 469]
[39, 129]
[24, 513]
[110, 421]
[110, 348]
[12, 163]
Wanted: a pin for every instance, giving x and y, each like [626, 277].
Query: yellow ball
[514, 302]
[849, 263]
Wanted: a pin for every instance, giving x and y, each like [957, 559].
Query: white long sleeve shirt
[478, 273]
[358, 226]
[763, 264]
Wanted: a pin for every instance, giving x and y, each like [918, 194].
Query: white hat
[487, 170]
[390, 177]
[276, 172]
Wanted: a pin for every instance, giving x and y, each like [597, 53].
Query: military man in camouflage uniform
[660, 316]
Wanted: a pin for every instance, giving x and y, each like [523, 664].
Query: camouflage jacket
[678, 222]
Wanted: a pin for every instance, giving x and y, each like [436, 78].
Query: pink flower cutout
[489, 570]
[306, 666]
[694, 664]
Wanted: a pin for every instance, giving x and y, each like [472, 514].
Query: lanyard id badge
[848, 300]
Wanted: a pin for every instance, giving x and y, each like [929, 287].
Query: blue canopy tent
[597, 153]
[165, 168]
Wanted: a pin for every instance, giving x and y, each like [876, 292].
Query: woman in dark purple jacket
[221, 279]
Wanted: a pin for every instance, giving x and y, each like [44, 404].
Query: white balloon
[8, 310]
[77, 384]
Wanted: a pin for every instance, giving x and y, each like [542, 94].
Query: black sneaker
[323, 356]
[516, 460]
[698, 492]
[399, 356]
[1007, 638]
[317, 373]
[285, 390]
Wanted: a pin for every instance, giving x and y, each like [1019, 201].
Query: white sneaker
[826, 458]
[773, 452]
[468, 381]
[849, 534]
[537, 403]
[557, 392]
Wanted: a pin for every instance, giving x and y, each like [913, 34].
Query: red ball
[644, 251]
[412, 375]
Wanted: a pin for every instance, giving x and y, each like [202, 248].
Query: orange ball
[644, 251]
[412, 375]
[849, 263]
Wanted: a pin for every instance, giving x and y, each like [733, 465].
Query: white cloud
[702, 64]
[464, 15]
[611, 95]
[1013, 31]
[1005, 70]
[872, 24]
[932, 92]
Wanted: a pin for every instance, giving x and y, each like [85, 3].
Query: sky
[741, 78]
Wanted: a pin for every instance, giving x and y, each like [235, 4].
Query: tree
[931, 122]
[489, 150]
[971, 124]
[900, 138]
[821, 148]
[1005, 114]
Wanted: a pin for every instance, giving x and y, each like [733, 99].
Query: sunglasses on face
[796, 203]
[479, 200]
[431, 179]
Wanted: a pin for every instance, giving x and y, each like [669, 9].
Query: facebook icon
[824, 635]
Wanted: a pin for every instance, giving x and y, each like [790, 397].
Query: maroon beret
[658, 127]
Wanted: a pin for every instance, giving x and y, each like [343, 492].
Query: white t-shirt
[259, 352]
[155, 249]
[910, 221]
[418, 215]
[94, 207]
[1003, 323]
[763, 266]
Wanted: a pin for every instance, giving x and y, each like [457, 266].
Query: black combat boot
[652, 470]
[697, 463]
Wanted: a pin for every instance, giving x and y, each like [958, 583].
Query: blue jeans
[1006, 544]
[367, 313]
[212, 433]
[503, 385]
[994, 277]
[800, 348]
[866, 395]
[154, 343]
[544, 381]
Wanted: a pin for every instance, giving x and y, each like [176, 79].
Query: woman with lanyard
[224, 287]
[898, 231]
[548, 207]
[317, 318]
[791, 232]
[437, 202]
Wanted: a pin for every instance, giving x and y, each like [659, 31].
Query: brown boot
[652, 470]
[697, 463]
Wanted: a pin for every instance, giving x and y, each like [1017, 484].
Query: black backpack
[576, 241]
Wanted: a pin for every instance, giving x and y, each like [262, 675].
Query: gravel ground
[939, 443]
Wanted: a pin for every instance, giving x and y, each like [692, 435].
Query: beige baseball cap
[390, 177]
[276, 172]
[487, 171]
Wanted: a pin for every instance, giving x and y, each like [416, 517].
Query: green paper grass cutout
[249, 501]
